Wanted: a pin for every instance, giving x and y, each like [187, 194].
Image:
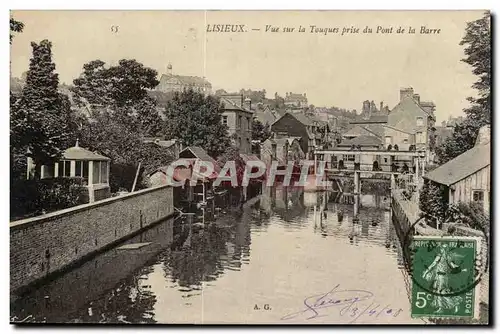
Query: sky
[332, 69]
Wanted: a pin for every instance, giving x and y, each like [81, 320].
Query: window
[238, 125]
[78, 168]
[104, 172]
[478, 196]
[405, 141]
[349, 157]
[96, 169]
[248, 124]
[224, 120]
[85, 170]
[100, 172]
[420, 121]
[385, 159]
[82, 169]
[420, 138]
[64, 168]
[388, 140]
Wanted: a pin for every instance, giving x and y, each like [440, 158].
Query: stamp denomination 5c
[444, 276]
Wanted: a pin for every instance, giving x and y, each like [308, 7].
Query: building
[265, 115]
[297, 125]
[177, 83]
[467, 177]
[362, 142]
[411, 117]
[185, 174]
[294, 101]
[238, 117]
[77, 161]
[282, 150]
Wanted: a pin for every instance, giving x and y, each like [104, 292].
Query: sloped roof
[80, 153]
[362, 141]
[372, 119]
[376, 130]
[228, 104]
[265, 117]
[187, 80]
[182, 173]
[302, 118]
[462, 166]
[201, 154]
[409, 105]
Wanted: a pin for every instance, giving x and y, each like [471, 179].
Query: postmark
[445, 276]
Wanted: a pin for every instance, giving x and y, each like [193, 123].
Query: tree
[15, 27]
[433, 202]
[196, 120]
[478, 55]
[149, 120]
[260, 131]
[41, 120]
[118, 86]
[122, 89]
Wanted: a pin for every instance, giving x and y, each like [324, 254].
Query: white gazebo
[77, 161]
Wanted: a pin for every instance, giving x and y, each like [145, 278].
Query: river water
[262, 263]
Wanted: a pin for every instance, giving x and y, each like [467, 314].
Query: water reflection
[207, 258]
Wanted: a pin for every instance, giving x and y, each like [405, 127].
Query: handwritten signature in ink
[351, 300]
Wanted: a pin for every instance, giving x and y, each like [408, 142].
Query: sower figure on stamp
[445, 265]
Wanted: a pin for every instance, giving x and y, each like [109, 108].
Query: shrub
[433, 202]
[470, 214]
[30, 198]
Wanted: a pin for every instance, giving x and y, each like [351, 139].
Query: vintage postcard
[250, 167]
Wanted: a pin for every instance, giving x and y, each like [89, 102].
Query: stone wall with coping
[42, 245]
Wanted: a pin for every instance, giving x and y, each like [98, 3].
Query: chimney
[381, 106]
[366, 107]
[443, 124]
[416, 97]
[286, 94]
[372, 106]
[248, 103]
[305, 95]
[405, 93]
[169, 69]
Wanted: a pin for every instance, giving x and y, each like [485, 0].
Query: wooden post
[315, 163]
[203, 195]
[356, 182]
[417, 172]
[356, 205]
[136, 176]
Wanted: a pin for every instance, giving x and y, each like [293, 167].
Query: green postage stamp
[445, 276]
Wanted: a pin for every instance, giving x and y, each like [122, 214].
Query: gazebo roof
[79, 153]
